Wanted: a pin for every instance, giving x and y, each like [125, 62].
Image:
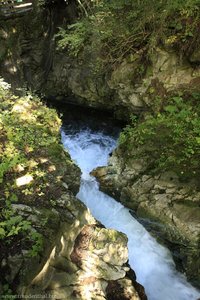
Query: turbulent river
[153, 263]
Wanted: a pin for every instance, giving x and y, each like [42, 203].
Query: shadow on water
[75, 117]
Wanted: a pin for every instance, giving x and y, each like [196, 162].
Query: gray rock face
[37, 63]
[83, 259]
[174, 207]
[119, 91]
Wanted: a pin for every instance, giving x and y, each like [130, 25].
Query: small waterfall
[152, 262]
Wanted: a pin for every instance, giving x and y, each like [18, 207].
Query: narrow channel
[153, 263]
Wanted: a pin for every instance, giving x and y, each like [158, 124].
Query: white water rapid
[152, 262]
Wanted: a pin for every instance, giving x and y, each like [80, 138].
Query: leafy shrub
[118, 28]
[75, 38]
[171, 138]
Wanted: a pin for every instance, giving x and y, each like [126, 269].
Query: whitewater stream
[152, 262]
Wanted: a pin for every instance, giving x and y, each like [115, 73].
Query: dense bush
[171, 139]
[122, 27]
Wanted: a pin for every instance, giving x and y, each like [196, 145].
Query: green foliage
[118, 28]
[23, 227]
[12, 225]
[76, 37]
[8, 163]
[30, 167]
[37, 246]
[171, 138]
[7, 292]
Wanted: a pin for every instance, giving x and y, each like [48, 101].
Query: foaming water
[152, 262]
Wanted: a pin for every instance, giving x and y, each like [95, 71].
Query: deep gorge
[90, 148]
[151, 90]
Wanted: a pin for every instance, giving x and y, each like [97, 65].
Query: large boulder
[83, 260]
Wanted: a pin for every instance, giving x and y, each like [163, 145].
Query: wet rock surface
[167, 207]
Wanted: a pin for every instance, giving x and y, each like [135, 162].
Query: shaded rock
[14, 263]
[195, 57]
[83, 261]
[121, 290]
[119, 91]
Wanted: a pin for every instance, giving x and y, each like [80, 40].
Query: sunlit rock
[24, 180]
